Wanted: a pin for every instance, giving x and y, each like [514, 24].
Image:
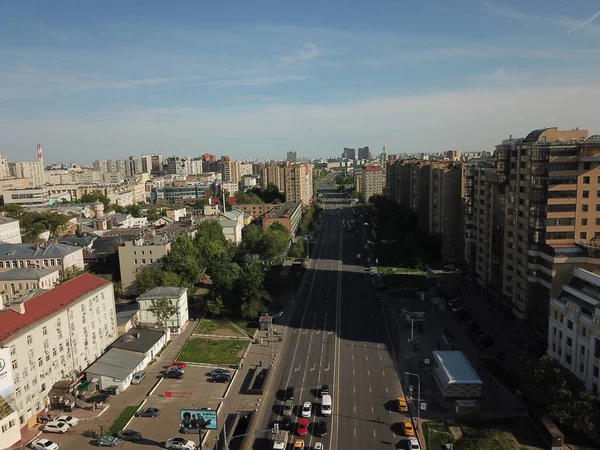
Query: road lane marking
[365, 345]
[355, 432]
[367, 358]
[380, 358]
[370, 390]
[368, 372]
[355, 409]
[386, 390]
[374, 435]
[353, 388]
[298, 368]
[372, 409]
[352, 357]
[321, 361]
[327, 367]
[378, 346]
[352, 371]
[383, 372]
[313, 367]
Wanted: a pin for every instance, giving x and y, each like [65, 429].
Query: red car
[179, 364]
[303, 427]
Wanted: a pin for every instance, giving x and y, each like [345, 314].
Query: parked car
[289, 393]
[413, 444]
[176, 373]
[407, 428]
[324, 390]
[179, 364]
[138, 377]
[222, 378]
[108, 441]
[285, 423]
[307, 409]
[178, 443]
[44, 444]
[288, 406]
[148, 412]
[401, 404]
[318, 446]
[220, 372]
[69, 420]
[56, 427]
[130, 435]
[299, 444]
[302, 427]
[322, 428]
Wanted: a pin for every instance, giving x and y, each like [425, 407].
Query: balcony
[538, 182]
[540, 155]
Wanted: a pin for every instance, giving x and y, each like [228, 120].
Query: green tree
[70, 273]
[184, 259]
[94, 196]
[118, 209]
[276, 241]
[216, 306]
[250, 282]
[162, 309]
[298, 249]
[153, 213]
[148, 278]
[13, 211]
[135, 210]
[252, 240]
[211, 230]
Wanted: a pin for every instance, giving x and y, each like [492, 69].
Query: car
[177, 374]
[178, 443]
[302, 427]
[130, 435]
[407, 428]
[413, 444]
[285, 424]
[307, 409]
[138, 377]
[289, 393]
[148, 412]
[44, 444]
[402, 404]
[288, 406]
[69, 420]
[220, 372]
[322, 428]
[324, 390]
[56, 427]
[318, 446]
[222, 378]
[108, 441]
[179, 364]
[299, 444]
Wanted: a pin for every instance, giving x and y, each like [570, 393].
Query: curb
[154, 388]
[132, 417]
[230, 384]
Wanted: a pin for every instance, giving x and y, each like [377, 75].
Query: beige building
[230, 171]
[26, 197]
[273, 174]
[299, 183]
[121, 197]
[10, 231]
[372, 182]
[30, 169]
[21, 281]
[574, 328]
[15, 183]
[287, 214]
[232, 223]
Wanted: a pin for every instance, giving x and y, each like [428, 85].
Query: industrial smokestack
[40, 155]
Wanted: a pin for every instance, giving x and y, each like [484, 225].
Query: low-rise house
[176, 296]
[19, 281]
[232, 223]
[39, 256]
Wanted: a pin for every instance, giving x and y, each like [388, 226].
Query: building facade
[26, 197]
[18, 282]
[40, 256]
[288, 214]
[10, 231]
[30, 169]
[299, 183]
[176, 296]
[139, 253]
[372, 182]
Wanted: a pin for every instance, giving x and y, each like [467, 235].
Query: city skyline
[91, 82]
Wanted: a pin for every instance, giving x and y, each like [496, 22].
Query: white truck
[280, 441]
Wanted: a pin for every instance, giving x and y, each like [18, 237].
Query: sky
[111, 79]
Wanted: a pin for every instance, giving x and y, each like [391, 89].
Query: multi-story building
[255, 209]
[157, 164]
[232, 223]
[121, 197]
[45, 255]
[10, 231]
[299, 183]
[30, 169]
[139, 253]
[207, 157]
[364, 153]
[146, 163]
[288, 214]
[232, 171]
[54, 337]
[349, 153]
[292, 157]
[16, 283]
[273, 174]
[180, 194]
[574, 328]
[372, 182]
[357, 180]
[26, 197]
[176, 296]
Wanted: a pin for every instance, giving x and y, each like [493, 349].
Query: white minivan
[326, 405]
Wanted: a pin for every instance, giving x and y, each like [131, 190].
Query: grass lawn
[122, 419]
[250, 327]
[213, 351]
[216, 327]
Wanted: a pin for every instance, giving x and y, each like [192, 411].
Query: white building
[232, 223]
[40, 256]
[53, 337]
[574, 327]
[177, 296]
[121, 197]
[30, 169]
[455, 376]
[26, 196]
[10, 231]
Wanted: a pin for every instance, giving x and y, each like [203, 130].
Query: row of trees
[237, 273]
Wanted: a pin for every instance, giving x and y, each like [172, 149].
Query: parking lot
[193, 391]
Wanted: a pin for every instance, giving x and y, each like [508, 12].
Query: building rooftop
[163, 292]
[5, 220]
[373, 168]
[51, 302]
[77, 241]
[33, 251]
[138, 340]
[457, 367]
[116, 363]
[283, 211]
[25, 273]
[233, 214]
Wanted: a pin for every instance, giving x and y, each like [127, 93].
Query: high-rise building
[299, 183]
[100, 166]
[30, 169]
[157, 164]
[534, 215]
[291, 157]
[372, 182]
[207, 157]
[146, 163]
[4, 168]
[453, 155]
[231, 171]
[349, 153]
[364, 153]
[273, 174]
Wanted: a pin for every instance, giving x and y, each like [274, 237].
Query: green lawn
[216, 327]
[213, 351]
[122, 419]
[250, 327]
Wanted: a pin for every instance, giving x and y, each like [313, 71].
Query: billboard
[7, 386]
[205, 419]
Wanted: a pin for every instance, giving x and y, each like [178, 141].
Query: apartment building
[288, 214]
[10, 231]
[19, 282]
[139, 253]
[292, 157]
[255, 209]
[121, 197]
[299, 183]
[372, 182]
[272, 174]
[54, 337]
[364, 153]
[230, 171]
[38, 256]
[30, 169]
[349, 153]
[180, 194]
[177, 297]
[574, 327]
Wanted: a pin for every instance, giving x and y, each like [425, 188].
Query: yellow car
[299, 444]
[401, 404]
[408, 428]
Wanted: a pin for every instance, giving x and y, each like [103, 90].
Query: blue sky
[106, 80]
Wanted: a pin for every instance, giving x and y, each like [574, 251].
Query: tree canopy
[34, 223]
[134, 210]
[95, 195]
[162, 309]
[268, 195]
[148, 278]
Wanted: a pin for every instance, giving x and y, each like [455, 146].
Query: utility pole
[418, 396]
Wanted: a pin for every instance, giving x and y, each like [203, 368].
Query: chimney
[18, 307]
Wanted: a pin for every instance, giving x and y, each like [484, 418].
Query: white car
[44, 444]
[56, 427]
[413, 444]
[318, 446]
[178, 443]
[69, 420]
[307, 409]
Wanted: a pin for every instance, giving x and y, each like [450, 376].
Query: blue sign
[205, 419]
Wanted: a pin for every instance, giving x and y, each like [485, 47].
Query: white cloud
[505, 11]
[308, 52]
[574, 25]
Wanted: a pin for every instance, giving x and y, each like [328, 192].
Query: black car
[130, 435]
[285, 424]
[322, 428]
[221, 378]
[289, 393]
[176, 374]
[324, 390]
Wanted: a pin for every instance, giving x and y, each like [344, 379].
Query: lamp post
[412, 325]
[418, 396]
[451, 444]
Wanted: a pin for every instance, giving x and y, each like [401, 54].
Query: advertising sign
[7, 386]
[205, 419]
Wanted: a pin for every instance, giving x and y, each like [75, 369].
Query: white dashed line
[368, 372]
[355, 432]
[374, 433]
[369, 387]
[367, 358]
[380, 358]
[353, 355]
[372, 409]
[383, 372]
[353, 388]
[355, 409]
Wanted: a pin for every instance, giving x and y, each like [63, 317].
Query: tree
[135, 210]
[298, 249]
[153, 213]
[275, 242]
[253, 236]
[184, 259]
[216, 306]
[148, 278]
[95, 195]
[211, 230]
[162, 309]
[70, 273]
[13, 211]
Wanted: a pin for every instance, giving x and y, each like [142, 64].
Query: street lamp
[418, 396]
[412, 325]
[451, 444]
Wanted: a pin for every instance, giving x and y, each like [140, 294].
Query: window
[597, 348]
[13, 350]
[584, 208]
[29, 339]
[31, 356]
[568, 359]
[60, 347]
[598, 221]
[585, 194]
[16, 377]
[595, 371]
[569, 324]
[554, 331]
[584, 222]
[581, 367]
[54, 351]
[583, 330]
[14, 364]
[57, 323]
[598, 207]
[569, 342]
[582, 235]
[586, 180]
[582, 349]
[44, 331]
[40, 362]
[135, 261]
[560, 334]
[587, 165]
[597, 193]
